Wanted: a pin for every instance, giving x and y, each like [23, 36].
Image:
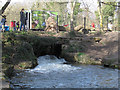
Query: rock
[97, 39]
[51, 25]
[78, 28]
[9, 72]
[68, 56]
[111, 60]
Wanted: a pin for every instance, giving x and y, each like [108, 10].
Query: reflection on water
[52, 73]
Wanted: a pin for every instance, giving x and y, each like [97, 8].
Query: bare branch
[4, 7]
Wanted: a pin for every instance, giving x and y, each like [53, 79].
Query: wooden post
[57, 25]
[84, 23]
[84, 30]
[107, 23]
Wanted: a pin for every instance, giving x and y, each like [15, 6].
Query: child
[17, 25]
[3, 22]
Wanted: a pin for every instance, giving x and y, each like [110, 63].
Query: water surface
[53, 73]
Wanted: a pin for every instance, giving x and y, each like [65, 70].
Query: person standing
[110, 26]
[3, 22]
[22, 19]
[93, 25]
[17, 25]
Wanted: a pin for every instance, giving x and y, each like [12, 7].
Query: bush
[72, 34]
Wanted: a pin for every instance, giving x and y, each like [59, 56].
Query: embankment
[21, 49]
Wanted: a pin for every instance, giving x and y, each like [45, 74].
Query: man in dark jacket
[22, 19]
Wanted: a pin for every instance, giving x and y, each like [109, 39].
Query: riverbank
[93, 48]
[21, 49]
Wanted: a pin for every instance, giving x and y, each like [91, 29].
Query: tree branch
[109, 4]
[4, 7]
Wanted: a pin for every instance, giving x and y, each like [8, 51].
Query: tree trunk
[118, 16]
[100, 13]
[87, 18]
[4, 7]
[71, 18]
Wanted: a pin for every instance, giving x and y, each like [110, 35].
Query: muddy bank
[93, 48]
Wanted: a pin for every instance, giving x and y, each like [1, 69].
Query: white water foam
[49, 63]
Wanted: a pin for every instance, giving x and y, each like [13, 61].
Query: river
[54, 73]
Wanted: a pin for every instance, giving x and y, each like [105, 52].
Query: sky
[92, 4]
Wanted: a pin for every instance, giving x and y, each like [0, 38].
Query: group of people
[110, 26]
[22, 20]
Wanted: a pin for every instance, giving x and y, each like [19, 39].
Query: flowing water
[54, 73]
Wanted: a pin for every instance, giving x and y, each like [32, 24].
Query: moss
[25, 65]
[83, 58]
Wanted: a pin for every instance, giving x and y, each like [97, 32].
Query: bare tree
[4, 7]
